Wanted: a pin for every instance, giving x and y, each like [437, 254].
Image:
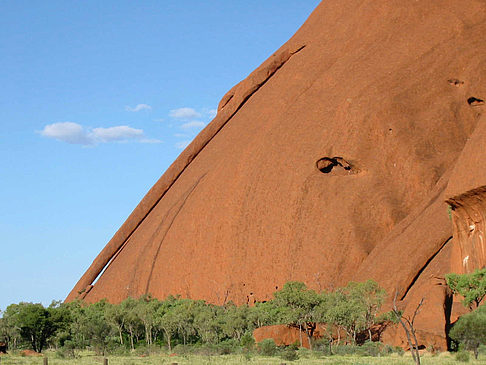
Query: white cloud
[138, 108]
[75, 133]
[118, 133]
[212, 113]
[193, 124]
[182, 144]
[67, 132]
[184, 113]
[150, 140]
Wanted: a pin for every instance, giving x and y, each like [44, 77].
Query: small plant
[462, 356]
[267, 347]
[399, 351]
[289, 354]
[247, 341]
[371, 349]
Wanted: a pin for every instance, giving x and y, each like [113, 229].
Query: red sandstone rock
[282, 335]
[331, 162]
[30, 353]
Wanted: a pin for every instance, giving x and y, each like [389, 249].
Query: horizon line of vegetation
[351, 316]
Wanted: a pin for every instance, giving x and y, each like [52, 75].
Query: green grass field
[91, 358]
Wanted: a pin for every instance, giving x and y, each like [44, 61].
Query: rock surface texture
[332, 161]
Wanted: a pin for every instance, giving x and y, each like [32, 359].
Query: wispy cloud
[138, 108]
[184, 113]
[75, 133]
[191, 121]
[113, 134]
[182, 144]
[193, 125]
[150, 140]
[212, 113]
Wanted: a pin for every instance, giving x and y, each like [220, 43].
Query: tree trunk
[167, 334]
[309, 336]
[121, 337]
[310, 332]
[131, 339]
[416, 349]
[369, 333]
[300, 334]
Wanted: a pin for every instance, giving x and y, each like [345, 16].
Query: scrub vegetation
[138, 330]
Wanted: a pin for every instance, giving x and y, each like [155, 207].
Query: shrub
[289, 354]
[398, 350]
[304, 353]
[387, 350]
[370, 349]
[345, 350]
[267, 347]
[470, 330]
[247, 341]
[228, 347]
[482, 350]
[462, 356]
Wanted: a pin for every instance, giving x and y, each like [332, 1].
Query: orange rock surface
[332, 161]
[282, 335]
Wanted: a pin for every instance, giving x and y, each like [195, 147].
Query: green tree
[35, 323]
[263, 314]
[236, 321]
[298, 306]
[146, 309]
[131, 322]
[78, 335]
[470, 329]
[95, 327]
[185, 312]
[207, 322]
[471, 286]
[9, 330]
[167, 319]
[346, 312]
[368, 298]
[116, 317]
[61, 316]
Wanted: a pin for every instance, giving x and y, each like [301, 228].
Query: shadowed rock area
[332, 161]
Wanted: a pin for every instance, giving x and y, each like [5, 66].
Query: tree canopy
[471, 286]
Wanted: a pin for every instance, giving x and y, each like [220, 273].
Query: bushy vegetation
[146, 324]
[470, 330]
[472, 287]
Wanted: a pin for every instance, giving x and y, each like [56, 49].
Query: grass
[88, 358]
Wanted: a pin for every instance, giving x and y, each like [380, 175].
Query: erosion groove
[344, 151]
[178, 210]
[421, 270]
[262, 75]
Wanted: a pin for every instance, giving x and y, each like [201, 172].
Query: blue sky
[97, 99]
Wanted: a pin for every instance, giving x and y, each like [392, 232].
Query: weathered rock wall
[331, 162]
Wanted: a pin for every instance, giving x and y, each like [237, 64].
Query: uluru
[356, 151]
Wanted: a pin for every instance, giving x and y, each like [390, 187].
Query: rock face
[282, 335]
[331, 162]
